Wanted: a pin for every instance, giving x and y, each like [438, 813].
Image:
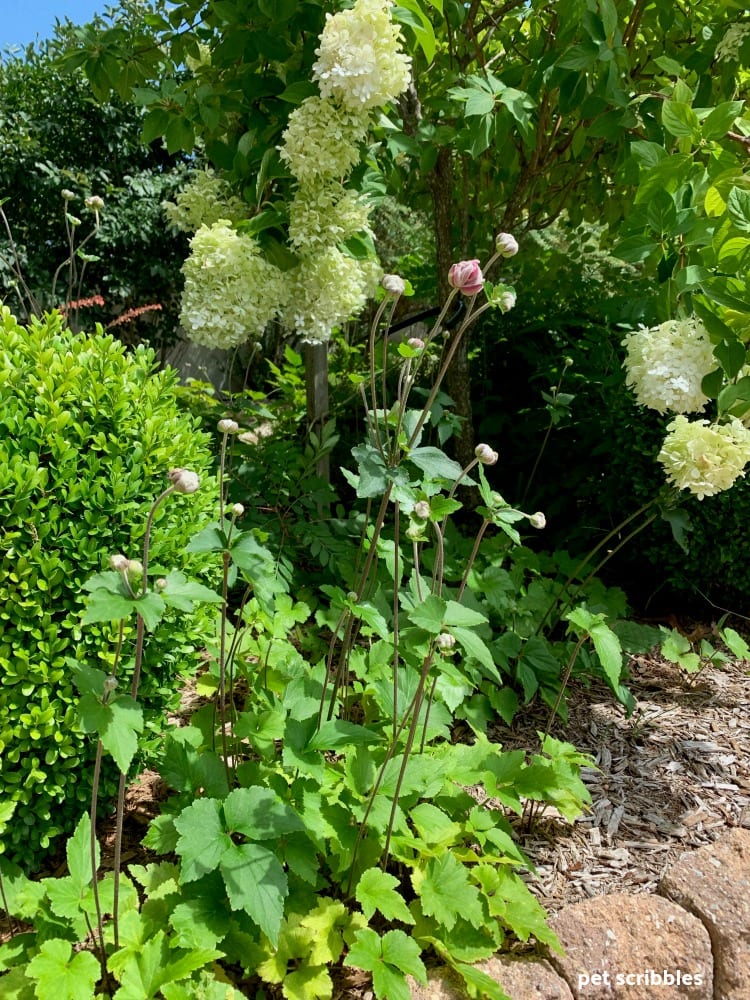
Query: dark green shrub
[87, 435]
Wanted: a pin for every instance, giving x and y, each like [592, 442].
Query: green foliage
[55, 137]
[88, 435]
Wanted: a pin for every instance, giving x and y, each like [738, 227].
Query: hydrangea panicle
[322, 140]
[203, 201]
[231, 293]
[360, 61]
[327, 288]
[666, 364]
[705, 458]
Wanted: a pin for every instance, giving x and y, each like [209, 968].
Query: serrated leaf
[736, 643]
[184, 594]
[479, 985]
[738, 207]
[388, 959]
[477, 649]
[106, 606]
[376, 890]
[117, 724]
[459, 614]
[61, 974]
[203, 840]
[326, 924]
[429, 614]
[309, 982]
[677, 649]
[339, 733]
[256, 883]
[259, 813]
[446, 892]
[435, 464]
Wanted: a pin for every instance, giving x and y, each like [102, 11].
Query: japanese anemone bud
[183, 480]
[67, 194]
[445, 641]
[248, 437]
[485, 454]
[466, 276]
[416, 343]
[537, 520]
[135, 569]
[118, 562]
[507, 300]
[422, 509]
[506, 245]
[238, 510]
[95, 203]
[227, 426]
[393, 284]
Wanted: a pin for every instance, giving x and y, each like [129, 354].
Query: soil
[675, 775]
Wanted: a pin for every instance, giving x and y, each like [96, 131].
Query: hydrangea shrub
[88, 434]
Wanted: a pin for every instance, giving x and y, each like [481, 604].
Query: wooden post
[316, 384]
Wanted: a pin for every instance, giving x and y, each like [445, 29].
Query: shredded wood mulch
[673, 776]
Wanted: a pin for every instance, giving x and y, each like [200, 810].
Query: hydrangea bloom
[360, 61]
[705, 458]
[322, 140]
[728, 49]
[327, 288]
[230, 292]
[666, 365]
[323, 215]
[205, 200]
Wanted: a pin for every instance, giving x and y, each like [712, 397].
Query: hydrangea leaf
[447, 893]
[376, 890]
[61, 974]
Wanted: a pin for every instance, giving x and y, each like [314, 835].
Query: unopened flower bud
[415, 533]
[352, 596]
[184, 481]
[393, 284]
[95, 203]
[422, 509]
[416, 342]
[238, 510]
[485, 454]
[466, 276]
[248, 437]
[506, 300]
[134, 568]
[568, 362]
[538, 520]
[67, 194]
[110, 685]
[118, 562]
[506, 245]
[227, 426]
[161, 583]
[445, 641]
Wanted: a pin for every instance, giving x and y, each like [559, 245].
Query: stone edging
[690, 941]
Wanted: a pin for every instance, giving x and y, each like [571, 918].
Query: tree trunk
[316, 384]
[457, 380]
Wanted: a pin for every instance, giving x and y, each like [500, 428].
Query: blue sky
[21, 21]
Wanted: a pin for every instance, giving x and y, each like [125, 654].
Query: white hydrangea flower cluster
[705, 458]
[360, 61]
[203, 201]
[231, 292]
[666, 364]
[322, 140]
[321, 216]
[728, 49]
[326, 289]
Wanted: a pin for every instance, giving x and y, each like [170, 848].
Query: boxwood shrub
[88, 433]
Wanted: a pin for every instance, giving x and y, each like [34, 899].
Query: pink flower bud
[416, 342]
[485, 454]
[506, 245]
[466, 276]
[422, 509]
[393, 284]
[118, 562]
[227, 426]
[184, 481]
